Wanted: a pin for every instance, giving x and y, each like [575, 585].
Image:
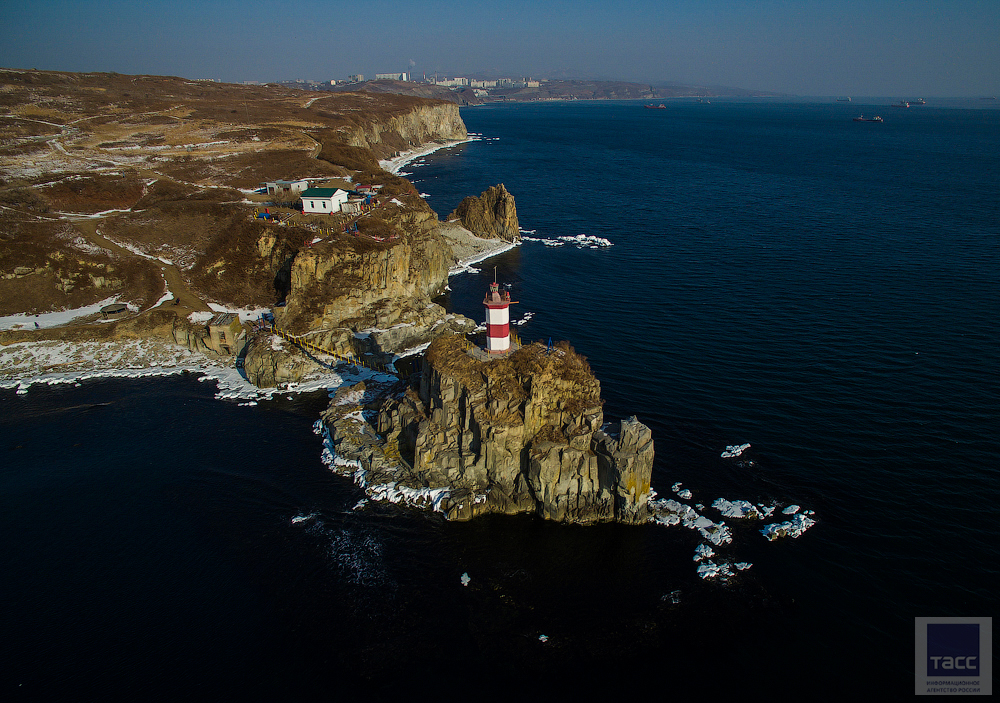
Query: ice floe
[734, 450]
[793, 528]
[466, 580]
[580, 241]
[737, 508]
[791, 510]
[711, 570]
[543, 638]
[670, 512]
[703, 551]
[681, 492]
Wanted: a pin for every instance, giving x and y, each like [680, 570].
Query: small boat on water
[918, 101]
[901, 103]
[844, 100]
[861, 118]
[661, 106]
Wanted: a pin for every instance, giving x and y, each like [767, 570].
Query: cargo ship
[861, 118]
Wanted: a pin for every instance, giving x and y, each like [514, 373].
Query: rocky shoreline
[520, 434]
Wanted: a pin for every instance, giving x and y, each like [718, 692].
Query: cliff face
[492, 215]
[430, 122]
[332, 285]
[523, 433]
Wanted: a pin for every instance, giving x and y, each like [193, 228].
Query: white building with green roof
[323, 201]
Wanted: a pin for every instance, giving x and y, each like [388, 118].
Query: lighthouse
[497, 320]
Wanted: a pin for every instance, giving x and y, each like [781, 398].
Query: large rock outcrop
[333, 284]
[423, 122]
[524, 433]
[492, 215]
[386, 331]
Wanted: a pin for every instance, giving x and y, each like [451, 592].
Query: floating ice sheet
[737, 508]
[793, 528]
[734, 450]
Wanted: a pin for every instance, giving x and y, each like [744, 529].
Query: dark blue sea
[779, 275]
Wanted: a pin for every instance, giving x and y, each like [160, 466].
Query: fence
[346, 358]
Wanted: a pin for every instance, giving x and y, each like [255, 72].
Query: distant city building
[252, 83]
[356, 78]
[452, 82]
[392, 76]
[483, 84]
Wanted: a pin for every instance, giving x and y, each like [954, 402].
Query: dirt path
[189, 300]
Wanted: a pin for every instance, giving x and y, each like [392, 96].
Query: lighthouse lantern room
[497, 320]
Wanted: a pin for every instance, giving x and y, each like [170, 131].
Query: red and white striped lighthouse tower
[497, 320]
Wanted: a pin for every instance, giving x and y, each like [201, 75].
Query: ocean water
[778, 275]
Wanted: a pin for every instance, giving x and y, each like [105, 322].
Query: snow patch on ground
[52, 319]
[246, 314]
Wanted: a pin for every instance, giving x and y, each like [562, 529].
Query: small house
[114, 311]
[285, 189]
[224, 331]
[324, 201]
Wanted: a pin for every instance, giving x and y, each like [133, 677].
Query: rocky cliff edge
[522, 433]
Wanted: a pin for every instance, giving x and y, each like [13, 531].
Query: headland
[155, 227]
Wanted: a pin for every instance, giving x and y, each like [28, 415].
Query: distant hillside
[549, 90]
[464, 96]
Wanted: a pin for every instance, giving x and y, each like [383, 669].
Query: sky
[944, 48]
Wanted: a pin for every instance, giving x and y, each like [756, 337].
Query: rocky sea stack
[492, 215]
[520, 433]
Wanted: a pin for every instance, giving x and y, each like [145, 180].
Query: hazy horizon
[812, 47]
